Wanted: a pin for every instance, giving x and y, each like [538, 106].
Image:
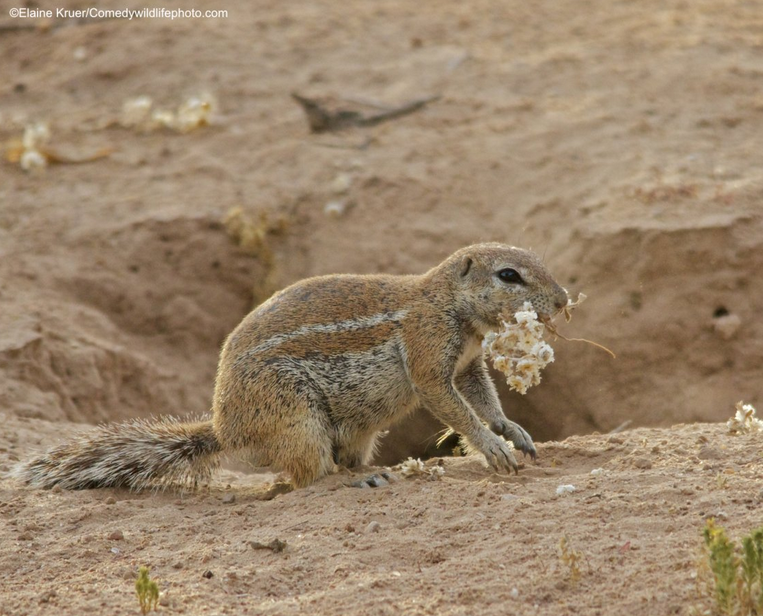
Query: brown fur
[311, 376]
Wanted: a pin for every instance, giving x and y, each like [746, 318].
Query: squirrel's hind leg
[275, 418]
[303, 449]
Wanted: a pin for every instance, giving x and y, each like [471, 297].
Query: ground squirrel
[311, 376]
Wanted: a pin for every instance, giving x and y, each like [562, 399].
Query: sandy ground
[620, 140]
[468, 542]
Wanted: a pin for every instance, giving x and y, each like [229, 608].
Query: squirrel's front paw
[498, 454]
[516, 434]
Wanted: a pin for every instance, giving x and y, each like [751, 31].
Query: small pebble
[110, 500]
[207, 574]
[229, 498]
[727, 326]
[178, 565]
[718, 515]
[56, 489]
[116, 535]
[643, 463]
[514, 594]
[47, 596]
[565, 489]
[706, 452]
[597, 471]
[373, 527]
[341, 183]
[335, 208]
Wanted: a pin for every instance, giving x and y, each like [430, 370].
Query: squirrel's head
[495, 279]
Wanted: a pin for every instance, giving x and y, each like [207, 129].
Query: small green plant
[737, 575]
[752, 572]
[571, 558]
[147, 590]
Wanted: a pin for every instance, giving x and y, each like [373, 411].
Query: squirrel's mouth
[546, 318]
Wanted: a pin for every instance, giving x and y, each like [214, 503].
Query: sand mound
[128, 325]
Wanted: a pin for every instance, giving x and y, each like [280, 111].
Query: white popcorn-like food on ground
[32, 159]
[137, 112]
[194, 112]
[744, 420]
[412, 467]
[35, 137]
[518, 349]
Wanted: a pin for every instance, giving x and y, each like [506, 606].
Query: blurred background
[619, 140]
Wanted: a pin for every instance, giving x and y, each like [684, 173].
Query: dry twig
[323, 119]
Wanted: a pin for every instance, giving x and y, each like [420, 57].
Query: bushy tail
[136, 454]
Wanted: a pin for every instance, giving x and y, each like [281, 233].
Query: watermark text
[129, 14]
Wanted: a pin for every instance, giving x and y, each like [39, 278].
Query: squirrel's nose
[560, 303]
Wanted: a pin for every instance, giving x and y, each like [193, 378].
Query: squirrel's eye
[511, 276]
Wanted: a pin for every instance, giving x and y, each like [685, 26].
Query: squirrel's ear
[465, 266]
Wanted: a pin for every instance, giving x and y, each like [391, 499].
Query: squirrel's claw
[515, 433]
